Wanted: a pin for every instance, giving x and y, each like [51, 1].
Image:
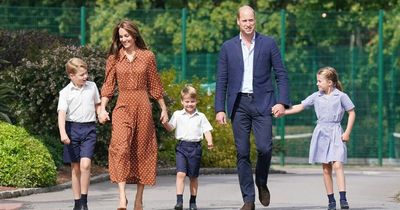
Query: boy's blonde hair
[74, 64]
[189, 90]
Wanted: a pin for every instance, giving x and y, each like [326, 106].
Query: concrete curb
[205, 171]
[106, 177]
[29, 191]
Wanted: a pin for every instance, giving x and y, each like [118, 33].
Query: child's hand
[164, 117]
[167, 126]
[103, 117]
[345, 137]
[210, 146]
[65, 140]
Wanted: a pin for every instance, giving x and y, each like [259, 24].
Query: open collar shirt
[189, 127]
[248, 57]
[79, 103]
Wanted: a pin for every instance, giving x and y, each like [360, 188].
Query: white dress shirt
[248, 57]
[189, 127]
[79, 103]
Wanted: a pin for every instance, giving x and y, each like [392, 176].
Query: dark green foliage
[6, 91]
[39, 82]
[6, 96]
[55, 148]
[26, 44]
[24, 160]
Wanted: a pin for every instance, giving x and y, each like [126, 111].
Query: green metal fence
[62, 21]
[367, 68]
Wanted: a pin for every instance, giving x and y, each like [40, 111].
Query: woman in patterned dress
[133, 147]
[328, 142]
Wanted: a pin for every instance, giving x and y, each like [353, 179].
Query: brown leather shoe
[248, 206]
[263, 195]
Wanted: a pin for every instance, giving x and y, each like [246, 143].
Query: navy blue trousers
[246, 118]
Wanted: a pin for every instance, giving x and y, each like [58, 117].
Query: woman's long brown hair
[133, 30]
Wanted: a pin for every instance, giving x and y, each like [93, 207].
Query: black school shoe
[179, 206]
[85, 207]
[192, 206]
[332, 206]
[77, 207]
[344, 204]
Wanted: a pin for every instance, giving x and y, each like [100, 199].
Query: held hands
[278, 110]
[164, 116]
[210, 146]
[103, 117]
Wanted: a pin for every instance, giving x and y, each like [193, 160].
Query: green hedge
[24, 160]
[16, 45]
[55, 148]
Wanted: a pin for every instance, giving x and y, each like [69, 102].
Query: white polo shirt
[189, 127]
[79, 103]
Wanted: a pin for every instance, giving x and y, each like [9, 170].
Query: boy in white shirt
[77, 106]
[189, 125]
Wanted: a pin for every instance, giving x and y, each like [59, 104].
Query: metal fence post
[184, 52]
[392, 114]
[83, 25]
[282, 120]
[176, 67]
[352, 76]
[208, 67]
[380, 87]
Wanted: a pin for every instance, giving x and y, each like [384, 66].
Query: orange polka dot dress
[133, 147]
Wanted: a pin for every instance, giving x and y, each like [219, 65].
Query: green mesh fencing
[308, 40]
[62, 21]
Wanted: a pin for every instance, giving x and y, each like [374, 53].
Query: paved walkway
[300, 188]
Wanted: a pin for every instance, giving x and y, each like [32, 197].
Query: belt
[328, 122]
[189, 142]
[250, 95]
[81, 123]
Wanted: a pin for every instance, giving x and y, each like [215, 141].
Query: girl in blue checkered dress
[328, 142]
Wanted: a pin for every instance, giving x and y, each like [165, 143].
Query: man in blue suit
[244, 80]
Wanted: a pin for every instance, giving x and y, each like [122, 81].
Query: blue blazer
[267, 58]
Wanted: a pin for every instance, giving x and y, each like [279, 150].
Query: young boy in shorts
[77, 106]
[189, 125]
